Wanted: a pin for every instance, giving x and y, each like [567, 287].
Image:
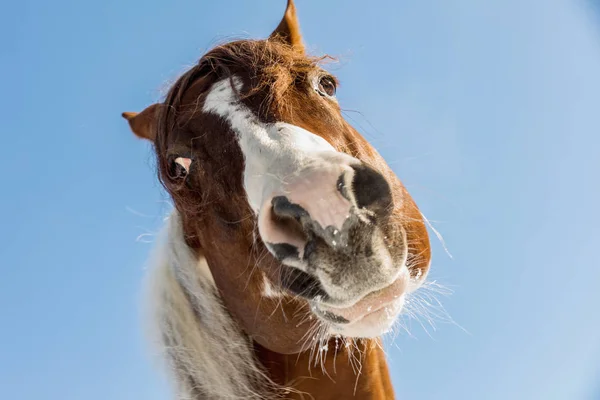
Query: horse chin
[371, 316]
[373, 324]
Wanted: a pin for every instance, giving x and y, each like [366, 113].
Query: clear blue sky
[488, 111]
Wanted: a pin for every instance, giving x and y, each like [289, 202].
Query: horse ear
[143, 124]
[288, 30]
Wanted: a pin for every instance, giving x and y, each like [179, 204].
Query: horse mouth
[381, 304]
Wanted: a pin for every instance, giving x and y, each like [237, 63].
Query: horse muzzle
[326, 226]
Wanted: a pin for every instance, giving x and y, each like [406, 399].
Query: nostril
[280, 229]
[286, 216]
[370, 189]
[283, 208]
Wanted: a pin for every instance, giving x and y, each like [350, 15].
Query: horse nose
[371, 190]
[321, 205]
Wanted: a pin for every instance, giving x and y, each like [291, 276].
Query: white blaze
[273, 153]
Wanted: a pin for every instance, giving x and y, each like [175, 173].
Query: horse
[291, 247]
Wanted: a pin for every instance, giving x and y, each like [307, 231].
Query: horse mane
[205, 350]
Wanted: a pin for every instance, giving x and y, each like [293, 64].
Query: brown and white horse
[292, 245]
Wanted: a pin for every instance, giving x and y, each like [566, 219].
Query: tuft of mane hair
[205, 350]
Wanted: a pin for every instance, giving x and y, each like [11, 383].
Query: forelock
[270, 63]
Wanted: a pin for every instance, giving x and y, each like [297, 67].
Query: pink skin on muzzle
[317, 193]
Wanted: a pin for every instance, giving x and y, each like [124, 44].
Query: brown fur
[219, 224]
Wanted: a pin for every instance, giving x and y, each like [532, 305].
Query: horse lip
[371, 303]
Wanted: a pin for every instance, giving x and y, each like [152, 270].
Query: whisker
[438, 235]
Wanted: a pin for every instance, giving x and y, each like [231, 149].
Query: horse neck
[354, 371]
[190, 324]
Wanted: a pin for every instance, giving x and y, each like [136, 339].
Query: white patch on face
[273, 153]
[269, 290]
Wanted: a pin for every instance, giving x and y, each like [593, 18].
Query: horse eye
[327, 86]
[179, 167]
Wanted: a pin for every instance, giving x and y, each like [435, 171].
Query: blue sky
[488, 111]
